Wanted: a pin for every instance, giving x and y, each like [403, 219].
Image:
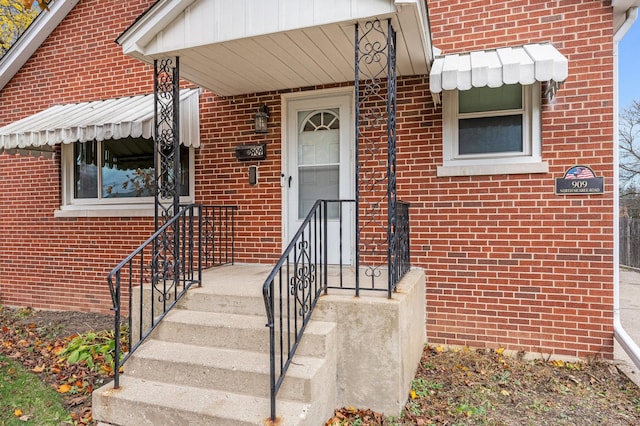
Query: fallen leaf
[413, 394]
[499, 351]
[17, 412]
[64, 388]
[504, 392]
[38, 369]
[24, 418]
[76, 400]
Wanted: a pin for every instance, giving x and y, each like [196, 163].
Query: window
[492, 131]
[115, 174]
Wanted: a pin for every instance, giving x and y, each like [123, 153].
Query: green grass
[21, 390]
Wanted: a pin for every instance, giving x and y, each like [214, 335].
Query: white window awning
[492, 68]
[99, 120]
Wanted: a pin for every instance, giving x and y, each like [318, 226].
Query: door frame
[284, 149]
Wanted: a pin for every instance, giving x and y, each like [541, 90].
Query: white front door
[319, 165]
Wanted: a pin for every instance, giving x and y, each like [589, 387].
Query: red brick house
[495, 101]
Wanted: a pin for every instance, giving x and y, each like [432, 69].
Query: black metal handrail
[301, 276]
[169, 263]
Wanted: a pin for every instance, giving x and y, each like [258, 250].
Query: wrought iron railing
[304, 273]
[163, 268]
[294, 285]
[399, 251]
[218, 233]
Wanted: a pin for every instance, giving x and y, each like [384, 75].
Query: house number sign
[579, 180]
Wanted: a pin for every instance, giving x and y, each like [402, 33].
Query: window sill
[143, 210]
[492, 169]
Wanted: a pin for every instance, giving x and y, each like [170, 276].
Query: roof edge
[32, 39]
[152, 21]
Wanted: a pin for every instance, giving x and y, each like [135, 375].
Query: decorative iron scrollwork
[302, 282]
[166, 253]
[376, 147]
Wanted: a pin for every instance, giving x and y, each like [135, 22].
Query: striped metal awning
[492, 68]
[98, 120]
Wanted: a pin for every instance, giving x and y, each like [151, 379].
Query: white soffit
[237, 47]
[100, 120]
[493, 68]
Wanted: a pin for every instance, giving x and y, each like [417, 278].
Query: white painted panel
[450, 72]
[171, 37]
[435, 77]
[271, 44]
[286, 43]
[464, 72]
[366, 8]
[230, 56]
[342, 38]
[411, 41]
[262, 17]
[326, 11]
[267, 63]
[229, 21]
[494, 71]
[195, 68]
[212, 70]
[550, 64]
[510, 65]
[339, 67]
[201, 22]
[214, 21]
[480, 65]
[294, 14]
[544, 61]
[527, 67]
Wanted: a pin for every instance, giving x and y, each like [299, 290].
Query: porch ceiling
[236, 47]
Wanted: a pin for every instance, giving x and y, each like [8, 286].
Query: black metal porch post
[375, 105]
[166, 254]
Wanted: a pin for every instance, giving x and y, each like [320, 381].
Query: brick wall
[508, 263]
[48, 262]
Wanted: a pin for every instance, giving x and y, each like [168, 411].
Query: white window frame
[108, 207]
[529, 160]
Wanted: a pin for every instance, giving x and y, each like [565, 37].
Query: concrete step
[223, 292]
[233, 331]
[143, 402]
[212, 299]
[207, 363]
[228, 370]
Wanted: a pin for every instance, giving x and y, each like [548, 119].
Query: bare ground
[486, 387]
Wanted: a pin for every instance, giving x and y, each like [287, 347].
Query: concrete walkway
[630, 318]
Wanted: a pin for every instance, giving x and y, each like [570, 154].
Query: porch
[207, 362]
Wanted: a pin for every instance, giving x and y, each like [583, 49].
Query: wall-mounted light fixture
[260, 119]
